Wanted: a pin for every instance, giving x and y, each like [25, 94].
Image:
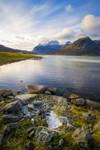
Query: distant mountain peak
[47, 48]
[82, 46]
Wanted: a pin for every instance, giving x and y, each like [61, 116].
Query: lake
[77, 74]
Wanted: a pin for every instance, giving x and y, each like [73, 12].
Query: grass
[9, 57]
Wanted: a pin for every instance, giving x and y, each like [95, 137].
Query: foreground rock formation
[41, 120]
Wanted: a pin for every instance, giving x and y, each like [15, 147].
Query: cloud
[65, 34]
[69, 8]
[91, 25]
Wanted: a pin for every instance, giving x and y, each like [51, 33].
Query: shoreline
[40, 116]
[11, 57]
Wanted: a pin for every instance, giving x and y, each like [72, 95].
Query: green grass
[9, 57]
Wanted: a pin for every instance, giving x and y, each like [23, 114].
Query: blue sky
[25, 23]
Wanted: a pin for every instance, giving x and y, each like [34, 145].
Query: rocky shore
[42, 120]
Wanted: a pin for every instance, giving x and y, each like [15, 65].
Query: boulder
[6, 93]
[42, 134]
[83, 137]
[28, 146]
[52, 90]
[89, 118]
[62, 101]
[66, 94]
[79, 102]
[35, 89]
[11, 118]
[61, 142]
[48, 93]
[25, 98]
[73, 96]
[1, 139]
[13, 108]
[9, 128]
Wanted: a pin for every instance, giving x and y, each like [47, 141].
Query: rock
[13, 108]
[25, 98]
[11, 118]
[89, 118]
[73, 96]
[48, 93]
[79, 102]
[42, 134]
[31, 134]
[52, 90]
[28, 146]
[64, 120]
[32, 120]
[29, 129]
[35, 89]
[61, 142]
[62, 101]
[1, 139]
[37, 104]
[8, 129]
[6, 93]
[83, 137]
[66, 94]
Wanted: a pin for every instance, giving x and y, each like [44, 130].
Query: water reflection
[80, 74]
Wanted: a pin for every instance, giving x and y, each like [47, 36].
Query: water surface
[78, 74]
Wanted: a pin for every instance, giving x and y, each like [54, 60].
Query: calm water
[78, 74]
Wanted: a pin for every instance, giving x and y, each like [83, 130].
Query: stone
[37, 103]
[13, 108]
[64, 120]
[31, 134]
[42, 134]
[6, 93]
[28, 146]
[62, 101]
[83, 137]
[33, 121]
[35, 89]
[8, 128]
[48, 93]
[52, 90]
[79, 102]
[89, 118]
[25, 98]
[61, 142]
[73, 96]
[1, 139]
[11, 118]
[29, 129]
[66, 94]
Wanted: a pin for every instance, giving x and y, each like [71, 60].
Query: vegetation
[9, 57]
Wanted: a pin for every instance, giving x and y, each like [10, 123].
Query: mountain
[7, 49]
[82, 46]
[47, 48]
[98, 43]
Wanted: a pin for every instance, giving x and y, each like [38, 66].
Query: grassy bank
[9, 57]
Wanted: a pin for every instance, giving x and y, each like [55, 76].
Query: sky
[26, 23]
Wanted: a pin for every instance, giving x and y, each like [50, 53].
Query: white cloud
[91, 25]
[65, 34]
[69, 8]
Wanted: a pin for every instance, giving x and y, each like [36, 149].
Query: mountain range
[82, 46]
[47, 48]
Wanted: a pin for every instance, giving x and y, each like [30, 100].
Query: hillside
[9, 57]
[7, 49]
[82, 46]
